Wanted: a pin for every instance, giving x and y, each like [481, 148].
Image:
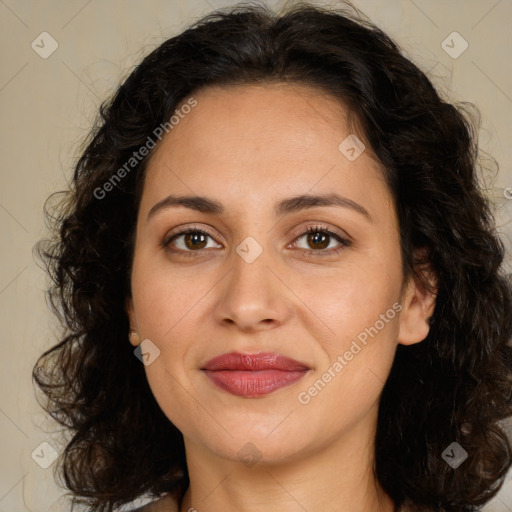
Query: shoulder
[165, 504]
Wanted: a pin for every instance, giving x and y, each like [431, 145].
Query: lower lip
[251, 384]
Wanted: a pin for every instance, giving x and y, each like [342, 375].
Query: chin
[255, 451]
[269, 441]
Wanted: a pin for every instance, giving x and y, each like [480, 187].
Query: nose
[254, 295]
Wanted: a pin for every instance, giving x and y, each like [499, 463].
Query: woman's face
[258, 285]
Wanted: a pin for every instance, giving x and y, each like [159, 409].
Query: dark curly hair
[453, 386]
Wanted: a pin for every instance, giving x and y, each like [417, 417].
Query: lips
[253, 375]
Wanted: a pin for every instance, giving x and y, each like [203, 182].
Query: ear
[130, 311]
[418, 306]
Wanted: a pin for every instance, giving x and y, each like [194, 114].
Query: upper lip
[254, 362]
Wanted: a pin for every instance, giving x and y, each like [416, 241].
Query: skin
[249, 147]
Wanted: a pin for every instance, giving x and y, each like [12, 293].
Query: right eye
[190, 240]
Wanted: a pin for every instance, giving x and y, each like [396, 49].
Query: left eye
[320, 238]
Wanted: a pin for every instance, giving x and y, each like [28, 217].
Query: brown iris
[194, 239]
[317, 238]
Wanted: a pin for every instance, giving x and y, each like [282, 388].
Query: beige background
[48, 106]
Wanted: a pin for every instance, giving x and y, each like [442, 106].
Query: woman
[283, 218]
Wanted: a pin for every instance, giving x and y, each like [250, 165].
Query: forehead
[268, 115]
[261, 140]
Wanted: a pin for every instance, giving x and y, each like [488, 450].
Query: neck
[339, 477]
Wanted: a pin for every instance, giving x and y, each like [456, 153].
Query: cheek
[353, 298]
[176, 399]
[164, 295]
[361, 308]
[349, 378]
[167, 308]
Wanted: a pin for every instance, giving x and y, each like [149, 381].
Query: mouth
[253, 375]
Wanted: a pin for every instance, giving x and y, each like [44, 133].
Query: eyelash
[312, 229]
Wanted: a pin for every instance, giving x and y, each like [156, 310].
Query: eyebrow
[284, 207]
